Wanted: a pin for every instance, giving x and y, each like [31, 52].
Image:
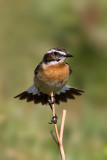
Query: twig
[62, 124]
[54, 137]
[59, 138]
[55, 125]
[61, 135]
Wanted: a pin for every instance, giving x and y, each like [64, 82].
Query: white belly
[48, 87]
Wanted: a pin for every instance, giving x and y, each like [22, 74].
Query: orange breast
[58, 72]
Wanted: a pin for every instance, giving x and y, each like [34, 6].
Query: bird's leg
[50, 101]
[54, 118]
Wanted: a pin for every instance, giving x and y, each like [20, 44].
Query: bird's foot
[54, 120]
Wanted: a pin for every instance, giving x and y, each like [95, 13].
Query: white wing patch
[32, 90]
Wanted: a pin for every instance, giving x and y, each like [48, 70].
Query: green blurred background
[28, 28]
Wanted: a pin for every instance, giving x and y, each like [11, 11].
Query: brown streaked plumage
[51, 75]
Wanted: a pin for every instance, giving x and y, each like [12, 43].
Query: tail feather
[22, 95]
[32, 94]
[67, 92]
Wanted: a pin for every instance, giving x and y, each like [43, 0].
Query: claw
[54, 120]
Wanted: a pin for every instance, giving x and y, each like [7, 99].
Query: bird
[51, 75]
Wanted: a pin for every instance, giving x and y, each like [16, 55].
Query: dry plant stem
[55, 139]
[62, 124]
[59, 138]
[61, 135]
[55, 125]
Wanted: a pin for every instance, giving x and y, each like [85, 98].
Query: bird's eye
[55, 53]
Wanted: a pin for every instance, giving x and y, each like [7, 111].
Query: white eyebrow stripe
[53, 50]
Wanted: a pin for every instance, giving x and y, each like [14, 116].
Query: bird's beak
[68, 55]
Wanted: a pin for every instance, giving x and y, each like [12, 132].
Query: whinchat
[50, 75]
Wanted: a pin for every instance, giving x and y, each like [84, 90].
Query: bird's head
[55, 55]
